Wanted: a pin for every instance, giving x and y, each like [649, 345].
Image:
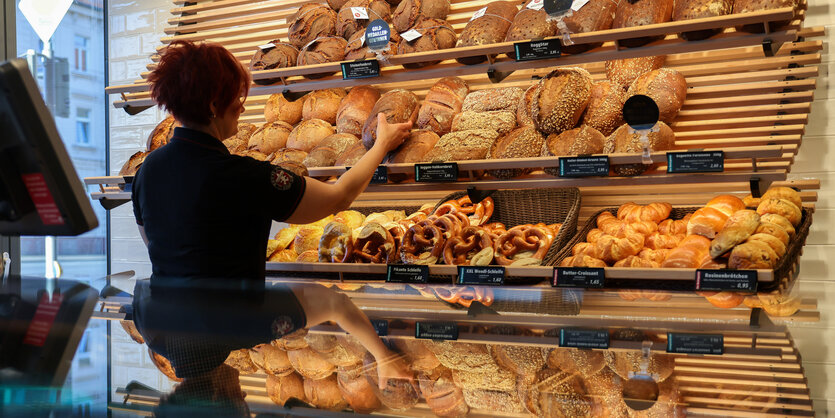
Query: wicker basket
[530, 206]
[781, 272]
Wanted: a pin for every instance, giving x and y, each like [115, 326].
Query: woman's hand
[390, 135]
[393, 366]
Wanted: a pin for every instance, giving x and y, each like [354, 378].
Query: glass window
[82, 126]
[81, 53]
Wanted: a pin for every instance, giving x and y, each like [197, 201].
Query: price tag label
[696, 162]
[381, 326]
[588, 278]
[695, 343]
[537, 50]
[578, 4]
[377, 35]
[481, 275]
[359, 13]
[722, 280]
[556, 8]
[266, 47]
[407, 273]
[584, 338]
[436, 330]
[584, 166]
[479, 13]
[381, 175]
[360, 69]
[535, 4]
[436, 172]
[410, 35]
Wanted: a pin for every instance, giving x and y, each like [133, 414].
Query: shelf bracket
[293, 95]
[497, 76]
[755, 186]
[135, 110]
[770, 47]
[477, 196]
[754, 320]
[110, 204]
[478, 308]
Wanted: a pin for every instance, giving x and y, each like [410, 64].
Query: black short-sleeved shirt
[207, 213]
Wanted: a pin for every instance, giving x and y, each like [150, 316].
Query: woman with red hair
[205, 215]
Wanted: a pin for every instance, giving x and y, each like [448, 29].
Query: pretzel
[474, 246]
[397, 230]
[423, 243]
[336, 245]
[522, 245]
[464, 295]
[374, 244]
[449, 224]
[478, 214]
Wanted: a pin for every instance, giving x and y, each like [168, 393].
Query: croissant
[690, 253]
[594, 235]
[786, 193]
[614, 226]
[582, 261]
[656, 256]
[674, 227]
[636, 262]
[709, 220]
[652, 295]
[781, 207]
[752, 255]
[738, 228]
[584, 248]
[723, 299]
[655, 212]
[612, 249]
[658, 241]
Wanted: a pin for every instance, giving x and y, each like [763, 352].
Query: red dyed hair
[191, 76]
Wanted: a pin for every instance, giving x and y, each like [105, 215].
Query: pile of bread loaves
[454, 378]
[320, 33]
[722, 234]
[457, 232]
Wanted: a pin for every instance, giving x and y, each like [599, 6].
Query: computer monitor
[40, 191]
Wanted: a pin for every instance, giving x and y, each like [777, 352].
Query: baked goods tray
[394, 71]
[684, 279]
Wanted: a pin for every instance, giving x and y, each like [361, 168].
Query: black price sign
[537, 50]
[584, 166]
[696, 162]
[381, 326]
[438, 172]
[436, 330]
[579, 277]
[695, 343]
[481, 275]
[407, 273]
[381, 175]
[584, 338]
[722, 280]
[557, 8]
[360, 69]
[377, 35]
[640, 112]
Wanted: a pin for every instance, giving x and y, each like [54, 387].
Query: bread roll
[398, 394]
[624, 72]
[347, 25]
[709, 220]
[520, 143]
[307, 238]
[462, 146]
[421, 358]
[500, 98]
[326, 153]
[163, 365]
[700, 9]
[779, 192]
[560, 100]
[521, 360]
[667, 87]
[779, 220]
[355, 109]
[409, 12]
[357, 391]
[737, 229]
[162, 133]
[530, 24]
[240, 361]
[279, 108]
[322, 51]
[330, 349]
[310, 364]
[690, 253]
[351, 156]
[639, 13]
[323, 104]
[595, 15]
[443, 101]
[292, 341]
[289, 155]
[774, 230]
[311, 21]
[781, 207]
[271, 359]
[284, 256]
[621, 141]
[772, 241]
[578, 141]
[555, 393]
[308, 134]
[436, 34]
[443, 397]
[752, 255]
[324, 393]
[571, 360]
[488, 29]
[270, 137]
[280, 55]
[605, 109]
[415, 147]
[398, 106]
[281, 388]
[133, 163]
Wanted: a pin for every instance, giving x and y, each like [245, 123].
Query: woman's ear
[213, 109]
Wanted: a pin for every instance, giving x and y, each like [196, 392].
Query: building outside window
[82, 126]
[80, 63]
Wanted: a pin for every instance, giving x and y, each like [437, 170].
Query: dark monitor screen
[40, 192]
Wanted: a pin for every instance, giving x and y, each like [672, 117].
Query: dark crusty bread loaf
[488, 29]
[577, 141]
[501, 121]
[594, 16]
[667, 87]
[350, 156]
[347, 25]
[162, 133]
[442, 103]
[631, 13]
[523, 112]
[311, 21]
[560, 99]
[748, 6]
[415, 147]
[436, 35]
[463, 145]
[132, 165]
[356, 389]
[605, 109]
[530, 24]
[442, 395]
[323, 104]
[518, 143]
[355, 108]
[624, 72]
[324, 393]
[409, 12]
[699, 9]
[281, 55]
[270, 137]
[279, 108]
[325, 153]
[500, 98]
[321, 51]
[289, 155]
[356, 49]
[398, 105]
[621, 141]
[308, 134]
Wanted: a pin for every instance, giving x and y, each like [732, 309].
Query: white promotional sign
[44, 15]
